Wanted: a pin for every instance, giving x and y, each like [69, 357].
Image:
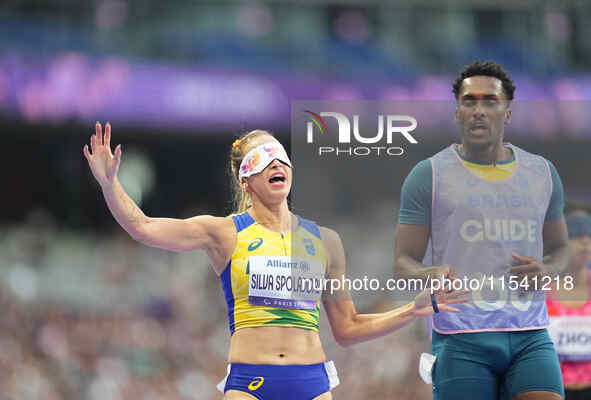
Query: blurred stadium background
[90, 314]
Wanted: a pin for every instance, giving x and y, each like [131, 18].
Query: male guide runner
[485, 208]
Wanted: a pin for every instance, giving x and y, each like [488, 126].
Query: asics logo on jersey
[256, 383]
[255, 244]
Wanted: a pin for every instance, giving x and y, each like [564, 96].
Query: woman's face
[581, 250]
[273, 184]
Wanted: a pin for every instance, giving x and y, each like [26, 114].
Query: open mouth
[277, 178]
[479, 127]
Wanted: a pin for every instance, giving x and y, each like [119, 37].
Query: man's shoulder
[522, 152]
[421, 171]
[427, 162]
[536, 160]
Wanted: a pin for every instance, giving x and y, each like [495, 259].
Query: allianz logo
[495, 230]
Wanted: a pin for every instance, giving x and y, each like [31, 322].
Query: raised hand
[103, 164]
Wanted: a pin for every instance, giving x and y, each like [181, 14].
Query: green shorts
[494, 365]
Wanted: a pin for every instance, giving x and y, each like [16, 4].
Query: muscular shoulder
[420, 173]
[556, 207]
[329, 236]
[416, 194]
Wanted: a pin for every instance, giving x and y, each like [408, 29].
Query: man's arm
[556, 256]
[556, 250]
[554, 236]
[349, 327]
[410, 244]
[409, 249]
[555, 233]
[414, 221]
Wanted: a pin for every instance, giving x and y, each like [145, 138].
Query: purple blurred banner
[73, 86]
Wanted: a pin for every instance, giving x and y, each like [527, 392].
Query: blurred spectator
[569, 307]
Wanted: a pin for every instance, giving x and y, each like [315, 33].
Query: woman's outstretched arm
[349, 327]
[212, 234]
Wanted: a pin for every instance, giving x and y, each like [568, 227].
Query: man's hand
[531, 270]
[103, 164]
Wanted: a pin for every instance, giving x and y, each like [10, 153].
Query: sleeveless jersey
[476, 225]
[256, 241]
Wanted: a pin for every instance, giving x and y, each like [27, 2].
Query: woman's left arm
[349, 327]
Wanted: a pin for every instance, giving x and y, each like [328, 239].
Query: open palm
[103, 163]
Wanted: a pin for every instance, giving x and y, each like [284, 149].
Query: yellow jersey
[499, 172]
[253, 241]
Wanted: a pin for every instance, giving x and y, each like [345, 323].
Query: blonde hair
[241, 198]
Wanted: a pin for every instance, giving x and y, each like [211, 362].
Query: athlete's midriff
[276, 345]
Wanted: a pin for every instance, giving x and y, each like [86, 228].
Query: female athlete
[267, 259]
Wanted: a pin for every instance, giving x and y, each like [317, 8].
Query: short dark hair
[487, 68]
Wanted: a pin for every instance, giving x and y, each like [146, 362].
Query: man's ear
[507, 115]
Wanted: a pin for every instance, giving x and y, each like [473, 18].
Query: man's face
[481, 111]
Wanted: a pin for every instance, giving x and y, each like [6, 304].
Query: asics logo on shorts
[256, 383]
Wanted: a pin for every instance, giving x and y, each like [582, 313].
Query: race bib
[285, 282]
[572, 337]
